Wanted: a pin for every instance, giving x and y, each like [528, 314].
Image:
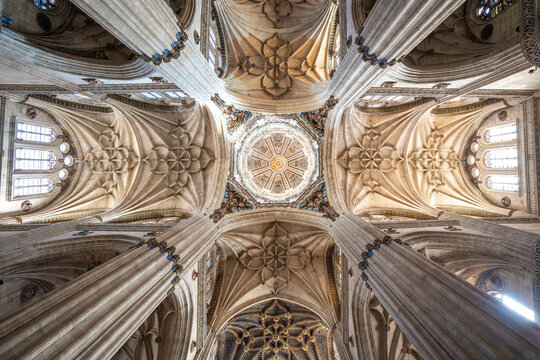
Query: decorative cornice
[465, 108]
[472, 212]
[151, 215]
[414, 224]
[167, 55]
[144, 105]
[96, 89]
[397, 212]
[71, 104]
[61, 218]
[424, 92]
[531, 146]
[396, 108]
[530, 31]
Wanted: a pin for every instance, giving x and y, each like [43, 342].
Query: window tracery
[503, 182]
[501, 134]
[28, 132]
[34, 159]
[42, 159]
[32, 186]
[216, 45]
[45, 4]
[489, 9]
[492, 157]
[501, 158]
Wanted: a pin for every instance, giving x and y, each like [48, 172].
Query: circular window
[475, 147]
[506, 201]
[475, 172]
[69, 161]
[471, 160]
[63, 174]
[64, 147]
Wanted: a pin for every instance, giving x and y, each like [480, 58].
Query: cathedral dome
[276, 160]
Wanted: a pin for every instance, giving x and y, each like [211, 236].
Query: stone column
[443, 316]
[392, 29]
[525, 247]
[125, 19]
[95, 314]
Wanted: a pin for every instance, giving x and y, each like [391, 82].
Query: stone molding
[530, 34]
[532, 153]
[406, 91]
[96, 89]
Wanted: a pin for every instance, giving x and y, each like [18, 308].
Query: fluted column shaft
[125, 19]
[525, 247]
[444, 316]
[392, 29]
[96, 313]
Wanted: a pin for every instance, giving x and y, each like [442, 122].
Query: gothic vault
[270, 179]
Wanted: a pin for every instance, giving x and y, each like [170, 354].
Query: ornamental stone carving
[178, 159]
[110, 160]
[276, 66]
[370, 158]
[276, 330]
[530, 32]
[275, 257]
[434, 160]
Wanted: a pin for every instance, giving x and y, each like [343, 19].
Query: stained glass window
[501, 134]
[45, 4]
[35, 133]
[501, 158]
[32, 186]
[489, 9]
[503, 182]
[33, 159]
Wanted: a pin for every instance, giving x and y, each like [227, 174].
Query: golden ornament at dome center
[277, 163]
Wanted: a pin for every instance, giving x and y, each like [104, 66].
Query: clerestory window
[34, 159]
[489, 9]
[501, 158]
[28, 132]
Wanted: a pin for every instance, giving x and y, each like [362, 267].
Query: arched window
[503, 182]
[501, 134]
[489, 9]
[501, 158]
[45, 4]
[213, 46]
[32, 159]
[28, 132]
[32, 186]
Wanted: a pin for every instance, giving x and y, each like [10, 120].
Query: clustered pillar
[444, 316]
[94, 315]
